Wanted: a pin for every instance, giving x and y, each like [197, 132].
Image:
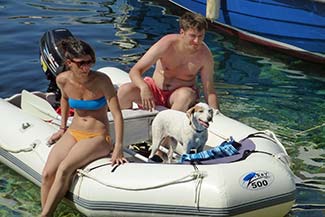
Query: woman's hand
[56, 136]
[118, 157]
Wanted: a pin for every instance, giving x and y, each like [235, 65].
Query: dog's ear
[190, 112]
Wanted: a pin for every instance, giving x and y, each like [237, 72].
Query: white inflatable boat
[255, 182]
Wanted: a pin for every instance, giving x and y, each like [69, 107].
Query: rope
[310, 129]
[195, 175]
[15, 151]
[272, 135]
[283, 157]
[198, 187]
[268, 133]
[219, 135]
[27, 149]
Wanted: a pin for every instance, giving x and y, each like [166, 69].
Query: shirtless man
[178, 58]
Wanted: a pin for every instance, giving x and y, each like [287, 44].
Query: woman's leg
[82, 153]
[59, 151]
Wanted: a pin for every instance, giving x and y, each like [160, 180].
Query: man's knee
[124, 89]
[125, 95]
[185, 94]
[183, 98]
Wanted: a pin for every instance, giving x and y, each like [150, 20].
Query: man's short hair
[191, 20]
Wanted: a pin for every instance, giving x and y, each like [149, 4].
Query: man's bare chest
[180, 66]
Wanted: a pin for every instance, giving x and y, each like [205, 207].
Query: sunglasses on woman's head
[83, 62]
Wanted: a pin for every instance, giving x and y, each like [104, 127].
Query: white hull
[153, 189]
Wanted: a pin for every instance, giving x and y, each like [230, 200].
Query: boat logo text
[256, 180]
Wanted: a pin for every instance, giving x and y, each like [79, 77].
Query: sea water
[259, 87]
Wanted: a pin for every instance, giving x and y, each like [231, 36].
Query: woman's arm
[64, 110]
[114, 107]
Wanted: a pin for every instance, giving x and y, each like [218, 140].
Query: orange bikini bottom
[81, 135]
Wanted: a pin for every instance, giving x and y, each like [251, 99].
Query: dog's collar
[196, 130]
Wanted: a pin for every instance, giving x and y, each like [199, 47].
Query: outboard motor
[51, 58]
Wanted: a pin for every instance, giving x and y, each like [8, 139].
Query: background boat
[293, 27]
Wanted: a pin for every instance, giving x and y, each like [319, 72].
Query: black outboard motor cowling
[51, 58]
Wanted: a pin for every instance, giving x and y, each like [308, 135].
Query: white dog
[189, 129]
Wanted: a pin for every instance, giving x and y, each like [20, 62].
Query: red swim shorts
[161, 96]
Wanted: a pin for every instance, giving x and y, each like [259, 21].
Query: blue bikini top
[94, 104]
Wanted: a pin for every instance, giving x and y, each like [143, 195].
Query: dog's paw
[216, 112]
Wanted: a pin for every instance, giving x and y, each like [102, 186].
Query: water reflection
[136, 29]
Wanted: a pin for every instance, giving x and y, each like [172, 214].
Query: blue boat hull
[295, 23]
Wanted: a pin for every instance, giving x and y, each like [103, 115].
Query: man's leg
[128, 93]
[183, 98]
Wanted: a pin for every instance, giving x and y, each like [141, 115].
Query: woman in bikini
[90, 93]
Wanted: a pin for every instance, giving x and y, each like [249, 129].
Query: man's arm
[209, 90]
[146, 61]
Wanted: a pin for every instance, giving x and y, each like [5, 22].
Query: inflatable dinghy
[257, 181]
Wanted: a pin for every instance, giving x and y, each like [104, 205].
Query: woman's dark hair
[74, 48]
